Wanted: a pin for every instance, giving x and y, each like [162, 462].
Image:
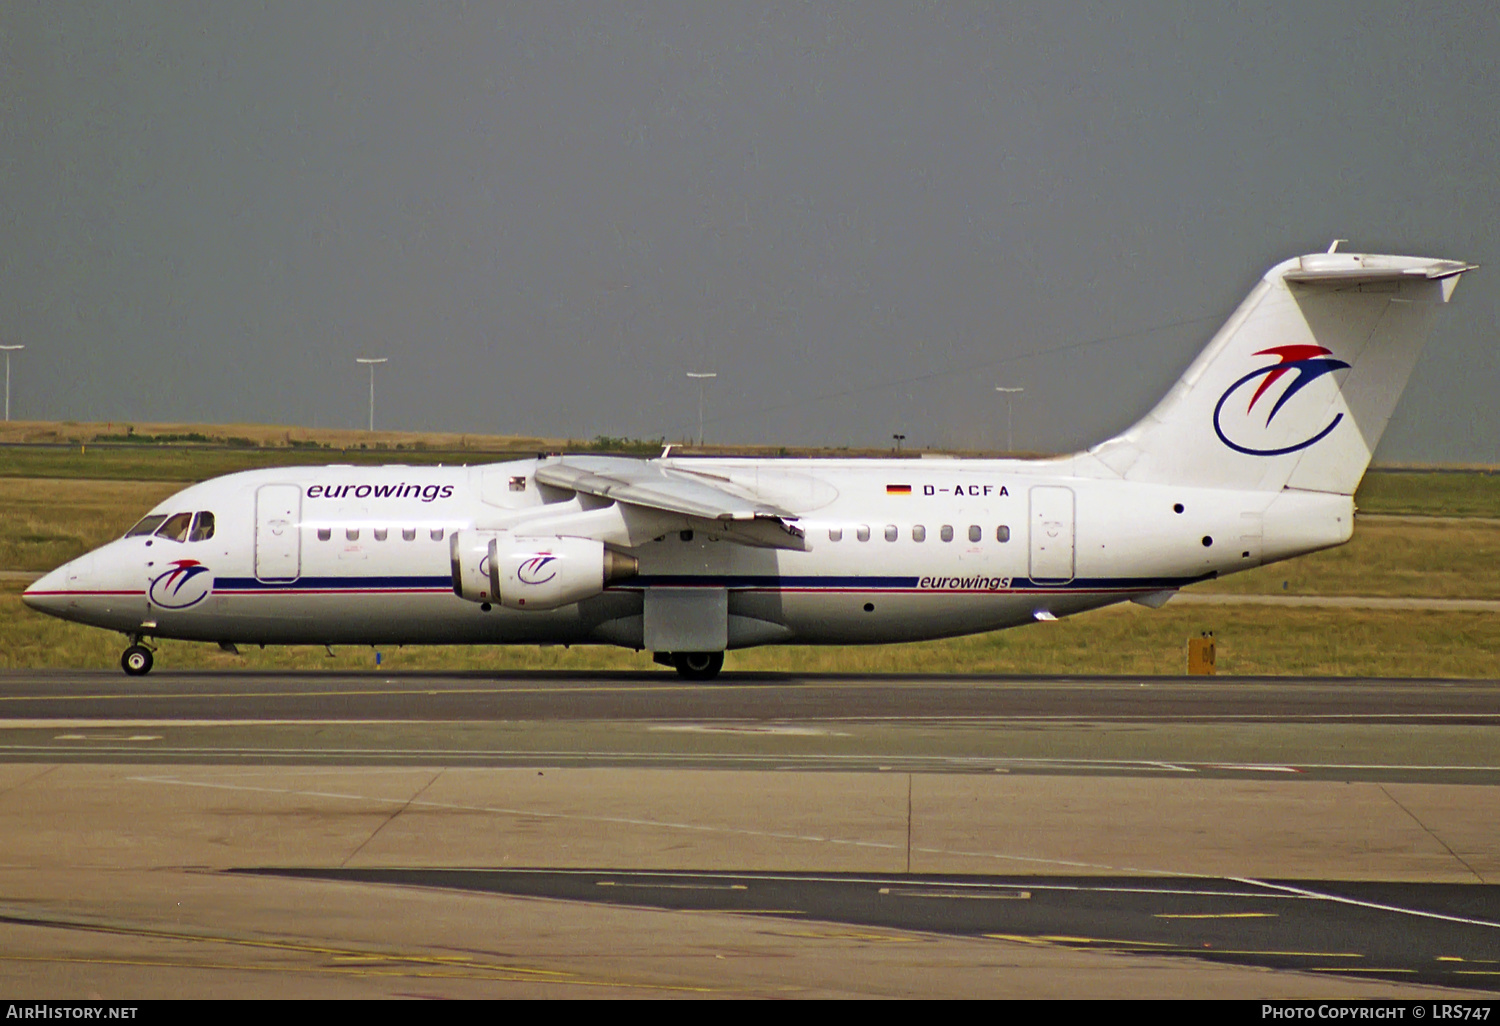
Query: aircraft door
[278, 532]
[1052, 530]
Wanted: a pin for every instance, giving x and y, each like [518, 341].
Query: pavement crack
[1432, 833]
[391, 818]
[29, 780]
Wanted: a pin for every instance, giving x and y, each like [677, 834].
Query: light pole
[701, 379]
[1010, 442]
[372, 362]
[8, 350]
[899, 439]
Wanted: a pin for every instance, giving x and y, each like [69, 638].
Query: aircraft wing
[731, 510]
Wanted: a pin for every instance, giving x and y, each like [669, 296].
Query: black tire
[137, 661]
[698, 665]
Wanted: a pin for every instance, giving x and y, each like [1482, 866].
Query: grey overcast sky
[862, 217]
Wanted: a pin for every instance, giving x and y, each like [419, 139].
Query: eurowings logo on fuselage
[399, 490]
[186, 584]
[1255, 437]
[535, 569]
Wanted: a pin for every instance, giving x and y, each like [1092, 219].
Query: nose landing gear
[137, 659]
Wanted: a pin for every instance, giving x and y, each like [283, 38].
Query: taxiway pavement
[553, 834]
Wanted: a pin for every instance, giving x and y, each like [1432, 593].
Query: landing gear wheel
[698, 665]
[136, 661]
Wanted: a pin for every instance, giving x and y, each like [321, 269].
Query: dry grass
[185, 464]
[265, 435]
[1451, 493]
[1388, 556]
[330, 442]
[44, 523]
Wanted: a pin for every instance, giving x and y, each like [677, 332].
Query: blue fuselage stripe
[956, 582]
[223, 584]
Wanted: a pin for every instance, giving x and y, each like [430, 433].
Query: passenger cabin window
[1002, 533]
[890, 532]
[946, 533]
[325, 533]
[203, 527]
[408, 534]
[919, 533]
[148, 525]
[176, 527]
[380, 533]
[835, 534]
[437, 534]
[975, 532]
[862, 532]
[352, 533]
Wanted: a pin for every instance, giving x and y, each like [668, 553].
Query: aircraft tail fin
[1297, 387]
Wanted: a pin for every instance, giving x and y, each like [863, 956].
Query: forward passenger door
[278, 532]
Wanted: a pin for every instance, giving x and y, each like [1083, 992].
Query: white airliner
[1253, 457]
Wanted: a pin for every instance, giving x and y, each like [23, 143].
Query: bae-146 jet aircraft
[1253, 457]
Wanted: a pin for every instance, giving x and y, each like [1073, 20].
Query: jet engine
[533, 573]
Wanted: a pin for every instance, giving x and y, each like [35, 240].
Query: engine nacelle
[533, 573]
[470, 555]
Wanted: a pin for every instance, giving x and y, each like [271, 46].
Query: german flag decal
[898, 489]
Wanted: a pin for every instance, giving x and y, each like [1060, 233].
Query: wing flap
[731, 510]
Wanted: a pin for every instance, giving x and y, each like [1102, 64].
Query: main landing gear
[698, 665]
[137, 659]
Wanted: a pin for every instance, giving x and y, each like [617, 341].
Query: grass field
[1389, 557]
[46, 522]
[1432, 535]
[1430, 493]
[195, 452]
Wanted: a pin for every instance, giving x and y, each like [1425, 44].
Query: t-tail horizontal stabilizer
[1297, 388]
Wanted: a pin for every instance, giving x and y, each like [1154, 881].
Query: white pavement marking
[107, 737]
[937, 880]
[1319, 896]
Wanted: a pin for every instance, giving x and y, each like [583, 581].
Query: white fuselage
[895, 550]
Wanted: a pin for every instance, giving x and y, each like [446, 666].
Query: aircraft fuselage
[896, 550]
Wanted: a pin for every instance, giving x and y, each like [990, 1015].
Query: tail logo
[1255, 437]
[186, 584]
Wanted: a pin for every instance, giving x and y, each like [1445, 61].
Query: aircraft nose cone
[49, 594]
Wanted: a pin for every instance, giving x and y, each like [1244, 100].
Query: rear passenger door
[1051, 533]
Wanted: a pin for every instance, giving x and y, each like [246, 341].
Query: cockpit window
[176, 527]
[203, 527]
[147, 525]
